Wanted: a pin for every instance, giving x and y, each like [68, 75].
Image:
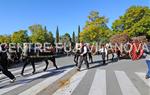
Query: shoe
[13, 80]
[56, 68]
[147, 77]
[33, 72]
[78, 69]
[44, 70]
[22, 74]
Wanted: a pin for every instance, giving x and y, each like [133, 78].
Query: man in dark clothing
[103, 52]
[26, 58]
[90, 54]
[118, 53]
[76, 57]
[83, 56]
[4, 63]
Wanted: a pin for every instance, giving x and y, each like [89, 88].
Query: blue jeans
[148, 65]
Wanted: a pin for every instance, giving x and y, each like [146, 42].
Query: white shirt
[103, 50]
[85, 50]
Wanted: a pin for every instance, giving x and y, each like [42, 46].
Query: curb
[58, 83]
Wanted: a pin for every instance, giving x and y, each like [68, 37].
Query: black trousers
[4, 69]
[118, 54]
[76, 58]
[53, 61]
[103, 57]
[90, 57]
[83, 58]
[27, 61]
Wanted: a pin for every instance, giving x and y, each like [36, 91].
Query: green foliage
[66, 38]
[73, 37]
[135, 22]
[5, 39]
[57, 35]
[50, 38]
[20, 36]
[95, 28]
[79, 34]
[39, 34]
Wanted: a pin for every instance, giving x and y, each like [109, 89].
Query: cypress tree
[73, 37]
[79, 34]
[57, 35]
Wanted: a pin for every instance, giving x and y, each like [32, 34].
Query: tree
[120, 38]
[20, 36]
[66, 38]
[79, 34]
[95, 28]
[5, 38]
[73, 37]
[39, 34]
[135, 22]
[57, 35]
[50, 38]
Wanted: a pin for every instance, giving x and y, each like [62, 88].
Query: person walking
[90, 53]
[83, 56]
[52, 53]
[26, 58]
[103, 52]
[4, 63]
[76, 57]
[148, 66]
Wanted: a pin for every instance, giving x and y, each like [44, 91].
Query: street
[123, 77]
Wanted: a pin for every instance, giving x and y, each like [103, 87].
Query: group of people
[30, 55]
[84, 52]
[27, 57]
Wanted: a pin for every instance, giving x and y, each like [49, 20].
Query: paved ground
[123, 77]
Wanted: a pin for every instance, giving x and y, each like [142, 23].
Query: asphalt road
[123, 77]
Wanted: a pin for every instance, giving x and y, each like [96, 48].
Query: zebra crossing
[33, 84]
[99, 84]
[30, 84]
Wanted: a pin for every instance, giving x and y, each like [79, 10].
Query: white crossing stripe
[29, 79]
[71, 84]
[19, 71]
[42, 85]
[29, 71]
[4, 90]
[142, 76]
[127, 87]
[99, 83]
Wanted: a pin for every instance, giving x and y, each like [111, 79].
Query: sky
[66, 14]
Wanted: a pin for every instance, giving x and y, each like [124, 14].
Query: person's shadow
[99, 63]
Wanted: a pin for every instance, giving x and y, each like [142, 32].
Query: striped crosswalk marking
[97, 87]
[42, 85]
[28, 72]
[142, 76]
[23, 82]
[2, 91]
[127, 87]
[99, 83]
[19, 71]
[71, 85]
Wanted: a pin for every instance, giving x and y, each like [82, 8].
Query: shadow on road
[100, 63]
